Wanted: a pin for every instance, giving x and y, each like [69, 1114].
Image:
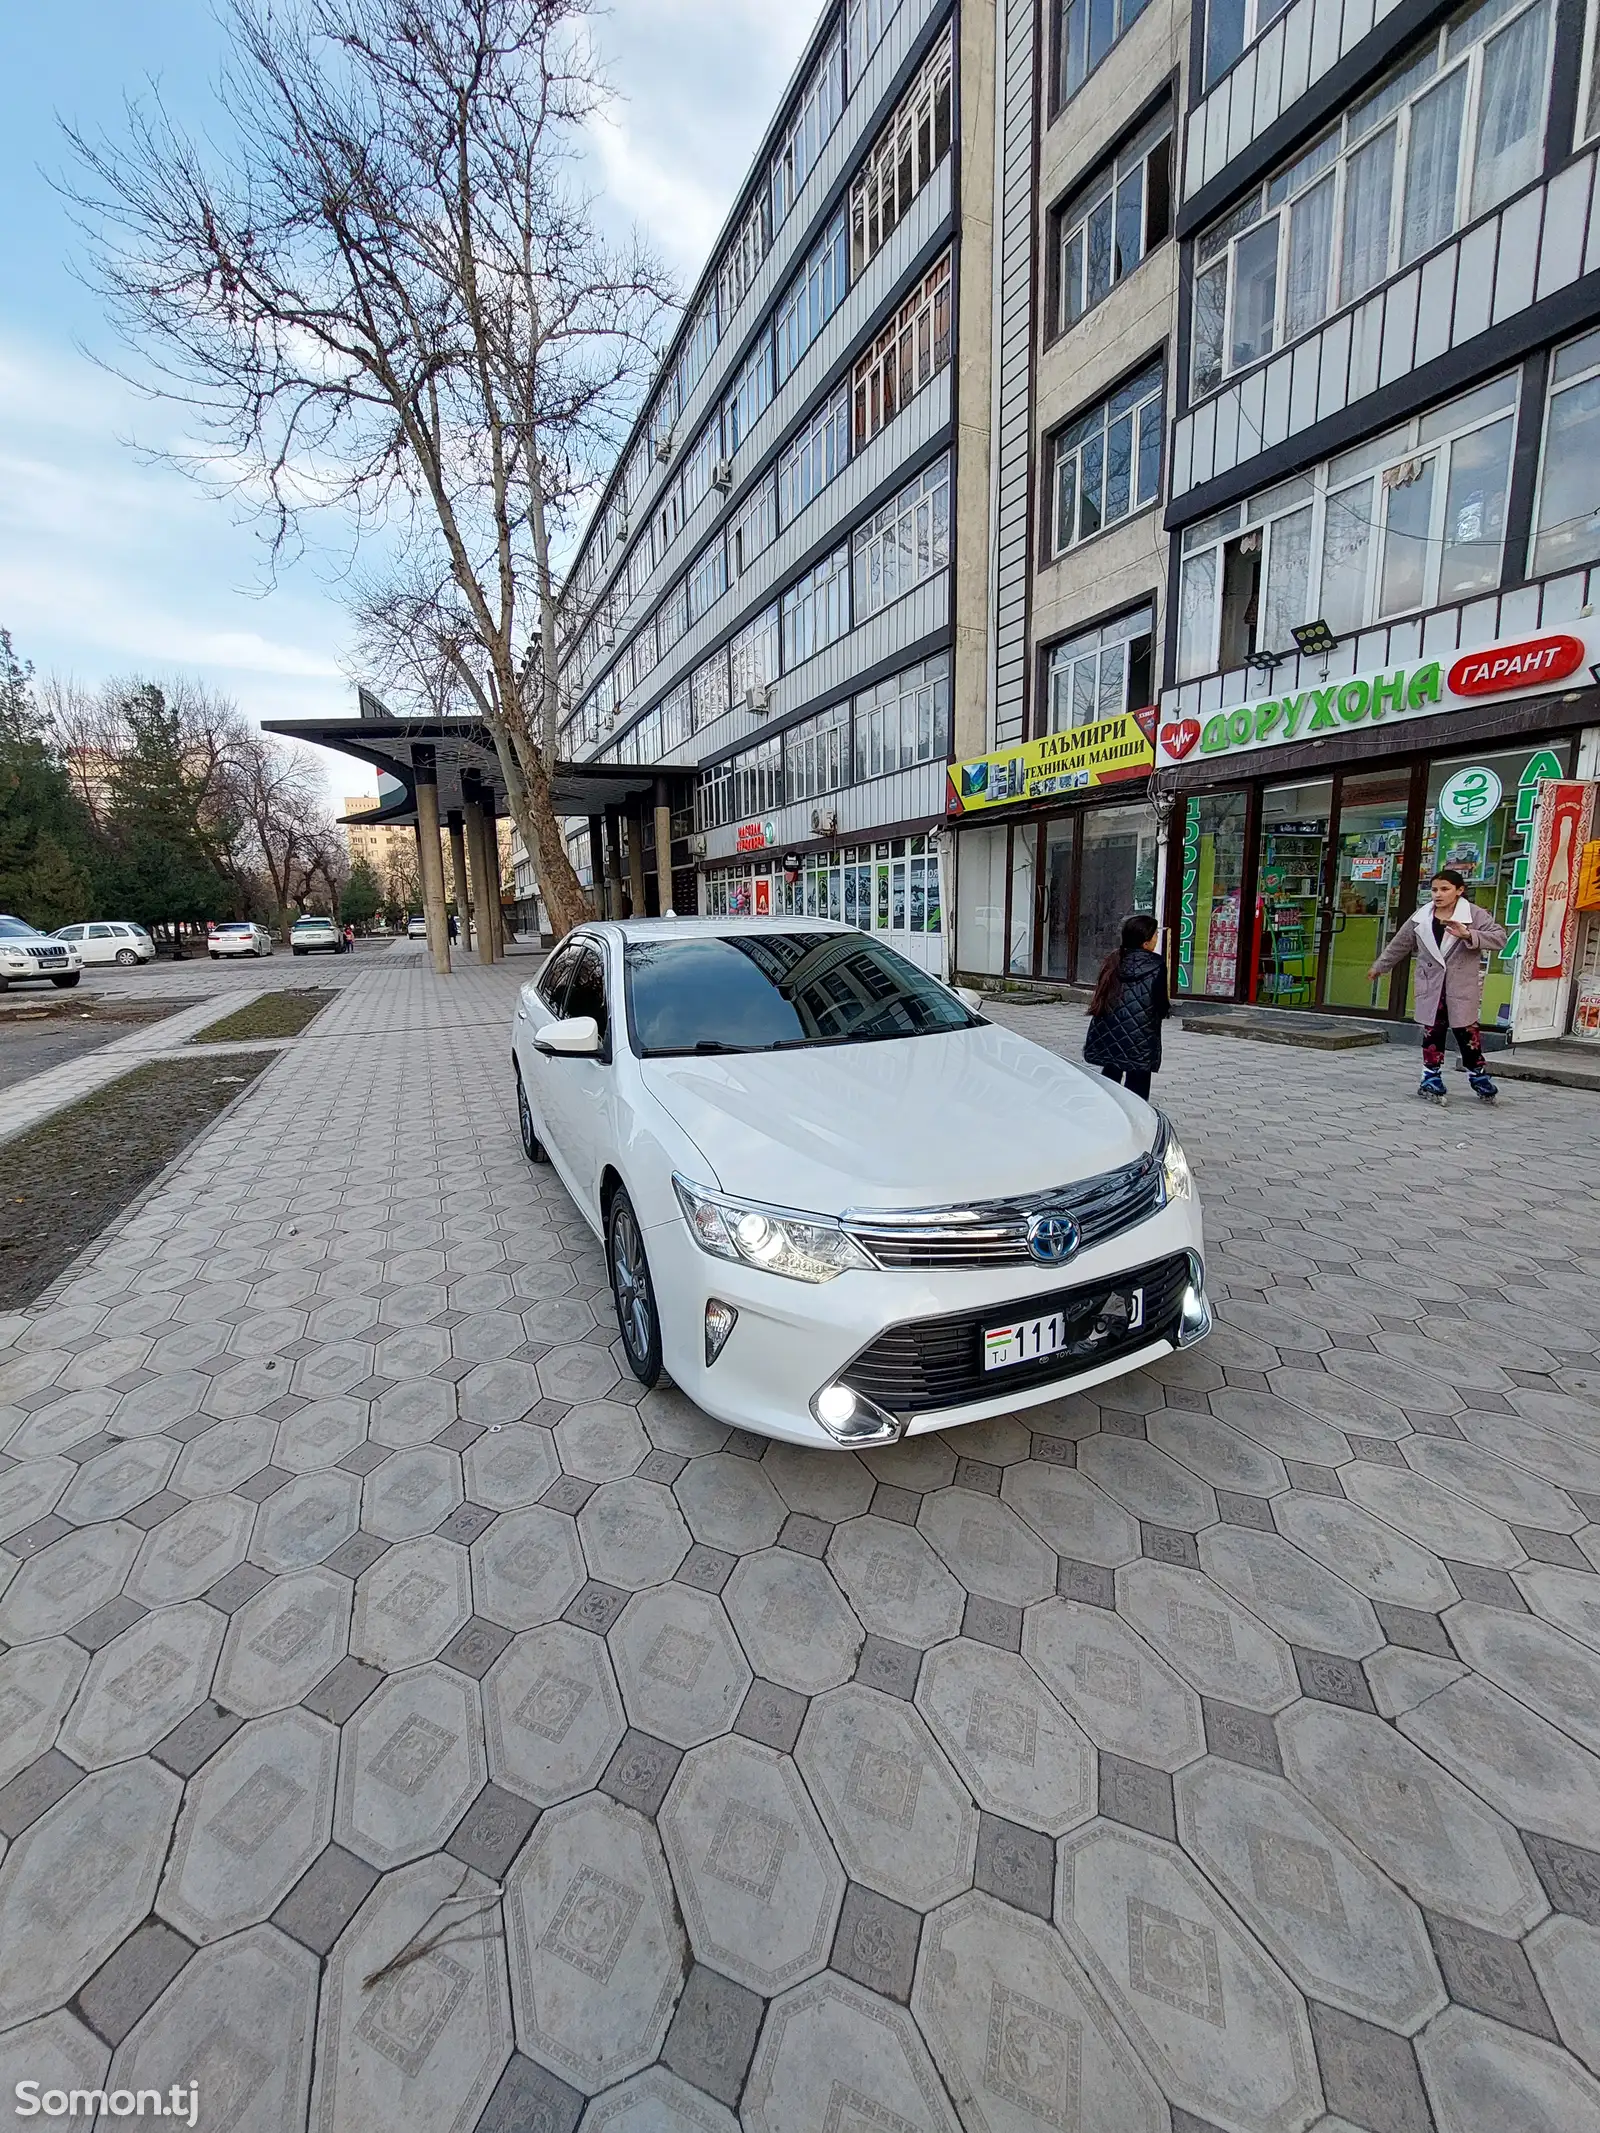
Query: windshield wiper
[704, 1048]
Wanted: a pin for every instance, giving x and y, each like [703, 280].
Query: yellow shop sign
[1056, 763]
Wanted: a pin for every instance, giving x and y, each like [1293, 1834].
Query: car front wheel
[532, 1147]
[64, 983]
[634, 1292]
[127, 958]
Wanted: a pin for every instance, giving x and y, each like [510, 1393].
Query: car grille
[931, 1363]
[46, 955]
[995, 1233]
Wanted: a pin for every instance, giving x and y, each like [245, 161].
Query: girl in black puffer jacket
[1128, 1009]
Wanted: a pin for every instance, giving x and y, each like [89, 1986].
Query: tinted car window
[776, 991]
[587, 993]
[556, 977]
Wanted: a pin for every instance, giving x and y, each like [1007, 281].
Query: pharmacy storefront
[1055, 845]
[890, 886]
[1306, 826]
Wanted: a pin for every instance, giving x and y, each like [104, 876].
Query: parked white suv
[240, 936]
[27, 954]
[110, 941]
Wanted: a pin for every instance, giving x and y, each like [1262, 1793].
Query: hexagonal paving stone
[899, 1815]
[1015, 2024]
[730, 1504]
[675, 1424]
[1070, 1514]
[303, 1522]
[412, 1413]
[1535, 1663]
[191, 1550]
[158, 1404]
[37, 1685]
[56, 1427]
[411, 1493]
[117, 1479]
[1217, 1453]
[633, 1535]
[413, 1351]
[987, 1546]
[596, 1952]
[1480, 2073]
[31, 1491]
[601, 1441]
[1493, 1484]
[420, 2050]
[1147, 1483]
[577, 1374]
[281, 1643]
[1423, 1827]
[756, 1876]
[57, 2051]
[1511, 1757]
[552, 1714]
[922, 1463]
[511, 1467]
[1282, 1426]
[1205, 2006]
[793, 1621]
[896, 1584]
[1207, 1636]
[827, 1485]
[1568, 1598]
[1125, 1698]
[411, 1603]
[835, 2055]
[527, 1568]
[411, 1760]
[559, 1321]
[227, 1454]
[320, 1435]
[1432, 1516]
[333, 1369]
[1289, 1592]
[1340, 1928]
[1565, 1955]
[682, 1674]
[1366, 1553]
[75, 1885]
[142, 1683]
[498, 1392]
[656, 2102]
[267, 1332]
[1018, 1751]
[254, 1819]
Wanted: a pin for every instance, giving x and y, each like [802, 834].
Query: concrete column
[482, 892]
[597, 866]
[614, 898]
[458, 870]
[663, 846]
[493, 925]
[430, 859]
[636, 857]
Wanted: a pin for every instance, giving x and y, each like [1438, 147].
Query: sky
[111, 563]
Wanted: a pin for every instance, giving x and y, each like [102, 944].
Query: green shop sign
[1367, 699]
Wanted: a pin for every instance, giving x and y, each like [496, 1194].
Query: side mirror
[577, 1039]
[970, 1000]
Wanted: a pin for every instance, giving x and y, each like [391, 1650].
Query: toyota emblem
[1052, 1238]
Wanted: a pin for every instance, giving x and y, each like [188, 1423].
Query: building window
[666, 523]
[672, 617]
[904, 543]
[743, 260]
[1408, 520]
[753, 658]
[708, 691]
[904, 720]
[865, 23]
[1589, 93]
[1104, 232]
[697, 350]
[758, 780]
[755, 527]
[1451, 134]
[701, 465]
[816, 610]
[1085, 32]
[816, 754]
[903, 158]
[812, 297]
[912, 349]
[713, 797]
[811, 459]
[813, 121]
[1107, 464]
[1230, 26]
[1567, 522]
[708, 578]
[750, 397]
[677, 718]
[1101, 673]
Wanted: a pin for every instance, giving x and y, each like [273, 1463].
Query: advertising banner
[1074, 761]
[1546, 938]
[1423, 688]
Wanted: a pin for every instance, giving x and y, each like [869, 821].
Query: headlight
[1177, 1180]
[803, 1247]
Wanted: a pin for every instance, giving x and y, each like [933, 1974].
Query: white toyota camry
[837, 1205]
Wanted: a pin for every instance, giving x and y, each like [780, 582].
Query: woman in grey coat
[1450, 938]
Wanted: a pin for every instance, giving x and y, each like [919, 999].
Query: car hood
[974, 1114]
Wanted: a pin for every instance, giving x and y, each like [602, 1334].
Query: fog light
[721, 1319]
[835, 1406]
[1194, 1314]
[850, 1417]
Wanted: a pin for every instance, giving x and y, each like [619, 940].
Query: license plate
[1034, 1340]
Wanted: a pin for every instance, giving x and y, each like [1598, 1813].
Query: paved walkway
[405, 1726]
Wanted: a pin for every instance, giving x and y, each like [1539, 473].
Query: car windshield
[12, 929]
[769, 992]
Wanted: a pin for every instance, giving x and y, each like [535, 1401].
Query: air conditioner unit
[758, 696]
[622, 525]
[824, 821]
[722, 474]
[697, 847]
[664, 448]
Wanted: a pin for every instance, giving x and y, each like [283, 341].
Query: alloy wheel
[630, 1284]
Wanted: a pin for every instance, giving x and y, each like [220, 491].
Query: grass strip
[275, 1014]
[65, 1179]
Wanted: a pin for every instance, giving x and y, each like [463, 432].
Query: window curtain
[1197, 614]
[1288, 579]
[1346, 536]
[1432, 162]
[1369, 189]
[1310, 255]
[1511, 109]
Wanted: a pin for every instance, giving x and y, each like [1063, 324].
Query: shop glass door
[1059, 839]
[1370, 896]
[1291, 913]
[1117, 879]
[1212, 871]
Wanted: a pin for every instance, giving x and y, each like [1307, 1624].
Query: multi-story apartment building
[779, 604]
[1384, 485]
[390, 848]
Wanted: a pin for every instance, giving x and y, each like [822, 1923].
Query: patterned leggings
[1467, 1039]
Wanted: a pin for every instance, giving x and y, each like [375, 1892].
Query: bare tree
[392, 296]
[280, 795]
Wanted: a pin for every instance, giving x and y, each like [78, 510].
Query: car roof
[699, 929]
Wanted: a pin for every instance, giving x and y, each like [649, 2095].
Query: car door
[99, 944]
[538, 1004]
[580, 1090]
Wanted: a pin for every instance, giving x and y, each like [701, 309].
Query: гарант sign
[1526, 666]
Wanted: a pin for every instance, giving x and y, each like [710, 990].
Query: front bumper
[17, 969]
[792, 1339]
